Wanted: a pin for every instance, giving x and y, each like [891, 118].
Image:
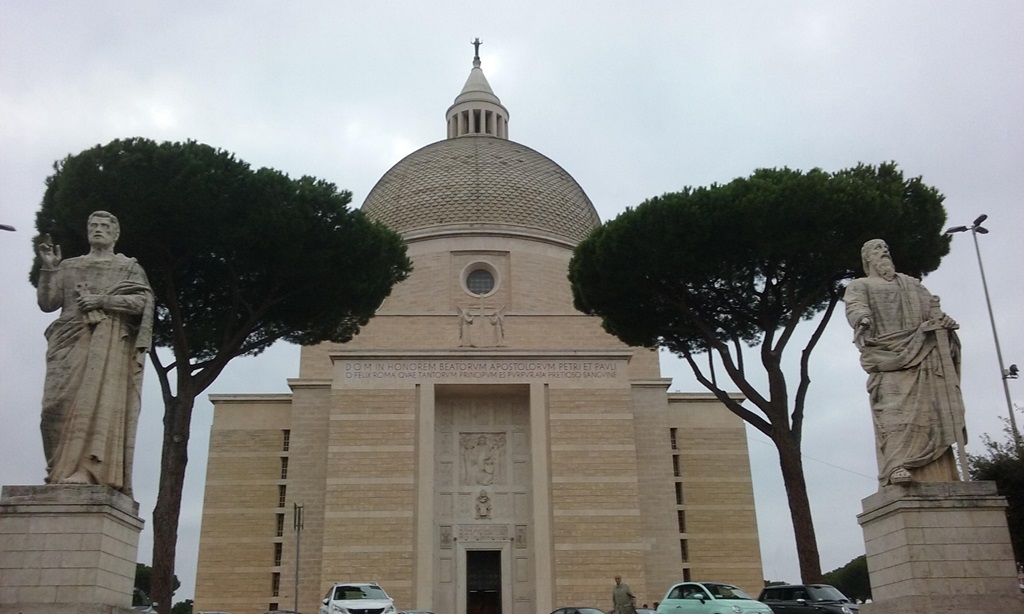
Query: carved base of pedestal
[945, 604]
[939, 547]
[67, 549]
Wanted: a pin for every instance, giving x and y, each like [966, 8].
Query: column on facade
[542, 530]
[424, 580]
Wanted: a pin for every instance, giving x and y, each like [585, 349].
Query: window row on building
[282, 495]
[684, 548]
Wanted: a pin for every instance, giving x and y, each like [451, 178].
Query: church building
[481, 447]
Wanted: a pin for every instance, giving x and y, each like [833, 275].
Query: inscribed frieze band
[470, 370]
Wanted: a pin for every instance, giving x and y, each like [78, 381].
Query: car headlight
[389, 610]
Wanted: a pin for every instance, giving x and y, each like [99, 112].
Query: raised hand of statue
[49, 254]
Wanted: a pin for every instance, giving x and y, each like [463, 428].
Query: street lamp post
[976, 228]
[298, 523]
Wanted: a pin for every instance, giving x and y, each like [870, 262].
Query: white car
[357, 598]
[709, 598]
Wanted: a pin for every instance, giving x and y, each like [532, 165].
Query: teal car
[709, 598]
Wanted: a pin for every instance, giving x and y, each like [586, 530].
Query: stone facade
[597, 470]
[939, 547]
[67, 548]
[476, 448]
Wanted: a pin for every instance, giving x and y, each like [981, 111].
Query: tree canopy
[755, 255]
[237, 258]
[245, 256]
[143, 584]
[182, 607]
[1002, 464]
[851, 579]
[720, 268]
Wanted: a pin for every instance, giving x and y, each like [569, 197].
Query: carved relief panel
[482, 470]
[482, 459]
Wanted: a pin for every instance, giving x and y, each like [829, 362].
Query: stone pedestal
[67, 549]
[937, 548]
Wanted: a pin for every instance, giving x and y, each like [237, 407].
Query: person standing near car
[623, 599]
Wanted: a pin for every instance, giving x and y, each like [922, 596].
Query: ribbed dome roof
[475, 181]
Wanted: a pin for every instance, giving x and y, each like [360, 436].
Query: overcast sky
[632, 99]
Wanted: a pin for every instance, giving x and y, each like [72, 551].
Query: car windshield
[726, 591]
[358, 592]
[826, 593]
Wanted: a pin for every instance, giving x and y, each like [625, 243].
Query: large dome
[471, 182]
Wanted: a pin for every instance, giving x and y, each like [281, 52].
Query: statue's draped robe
[909, 391]
[94, 365]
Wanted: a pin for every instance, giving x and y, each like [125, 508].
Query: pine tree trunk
[799, 509]
[173, 460]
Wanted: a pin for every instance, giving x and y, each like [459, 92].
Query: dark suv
[807, 598]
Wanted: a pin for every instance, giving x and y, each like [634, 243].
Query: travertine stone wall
[370, 490]
[307, 479]
[661, 534]
[939, 547]
[595, 496]
[67, 548]
[421, 313]
[240, 505]
[718, 492]
[589, 490]
[530, 276]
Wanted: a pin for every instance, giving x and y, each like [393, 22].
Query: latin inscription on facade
[483, 532]
[466, 371]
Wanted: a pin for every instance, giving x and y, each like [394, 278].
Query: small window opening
[480, 282]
